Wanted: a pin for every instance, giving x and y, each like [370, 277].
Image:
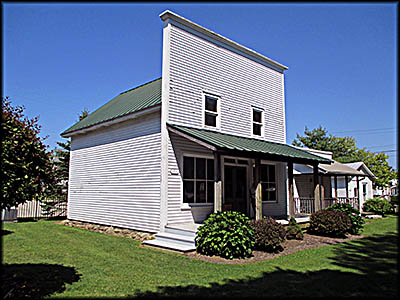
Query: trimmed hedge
[227, 234]
[330, 223]
[378, 206]
[268, 234]
[357, 222]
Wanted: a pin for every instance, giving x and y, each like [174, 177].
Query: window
[211, 111]
[257, 122]
[364, 188]
[198, 180]
[268, 183]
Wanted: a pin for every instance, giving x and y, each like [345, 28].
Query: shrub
[357, 222]
[331, 223]
[268, 234]
[378, 206]
[227, 234]
[293, 230]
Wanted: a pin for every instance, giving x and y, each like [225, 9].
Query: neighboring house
[365, 185]
[209, 135]
[394, 187]
[340, 183]
[387, 191]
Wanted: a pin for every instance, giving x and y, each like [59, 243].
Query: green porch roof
[222, 141]
[136, 99]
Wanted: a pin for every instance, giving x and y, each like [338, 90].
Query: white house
[208, 135]
[339, 183]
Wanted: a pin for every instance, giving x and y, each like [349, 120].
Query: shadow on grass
[372, 272]
[35, 280]
[6, 232]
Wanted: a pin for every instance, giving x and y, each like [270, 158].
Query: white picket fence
[32, 209]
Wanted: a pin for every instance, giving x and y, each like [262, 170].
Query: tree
[318, 138]
[377, 163]
[26, 166]
[58, 190]
[344, 150]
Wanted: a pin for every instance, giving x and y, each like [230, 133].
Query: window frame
[217, 114]
[276, 181]
[190, 204]
[253, 108]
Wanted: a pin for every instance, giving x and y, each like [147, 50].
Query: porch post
[258, 189]
[358, 193]
[335, 181]
[291, 191]
[321, 192]
[316, 188]
[347, 188]
[217, 182]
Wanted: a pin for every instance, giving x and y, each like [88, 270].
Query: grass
[60, 261]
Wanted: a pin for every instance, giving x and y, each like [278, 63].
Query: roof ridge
[140, 86]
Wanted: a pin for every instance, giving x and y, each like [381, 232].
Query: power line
[387, 151]
[367, 130]
[379, 146]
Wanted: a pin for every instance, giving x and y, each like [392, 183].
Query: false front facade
[208, 135]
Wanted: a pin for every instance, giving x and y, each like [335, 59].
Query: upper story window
[211, 111]
[257, 122]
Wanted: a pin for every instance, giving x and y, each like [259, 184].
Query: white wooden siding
[197, 65]
[177, 146]
[115, 175]
[278, 208]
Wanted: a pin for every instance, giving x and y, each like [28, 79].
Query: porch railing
[306, 205]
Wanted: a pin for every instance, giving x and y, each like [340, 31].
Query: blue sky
[59, 59]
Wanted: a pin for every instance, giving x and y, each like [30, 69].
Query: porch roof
[232, 144]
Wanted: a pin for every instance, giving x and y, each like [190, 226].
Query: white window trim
[253, 108]
[218, 113]
[184, 205]
[276, 182]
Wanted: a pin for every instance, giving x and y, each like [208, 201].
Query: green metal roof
[136, 99]
[223, 141]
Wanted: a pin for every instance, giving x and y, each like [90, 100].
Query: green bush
[227, 234]
[293, 230]
[331, 223]
[268, 234]
[357, 222]
[377, 205]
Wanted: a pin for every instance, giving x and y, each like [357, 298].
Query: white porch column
[217, 182]
[258, 189]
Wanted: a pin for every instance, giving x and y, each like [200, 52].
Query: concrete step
[180, 231]
[169, 245]
[175, 237]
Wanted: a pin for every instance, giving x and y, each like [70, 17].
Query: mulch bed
[289, 247]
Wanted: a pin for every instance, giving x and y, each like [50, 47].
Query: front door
[235, 188]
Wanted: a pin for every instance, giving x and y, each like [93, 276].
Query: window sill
[270, 202]
[189, 206]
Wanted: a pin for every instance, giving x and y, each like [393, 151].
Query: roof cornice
[169, 15]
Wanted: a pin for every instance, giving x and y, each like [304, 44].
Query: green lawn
[60, 261]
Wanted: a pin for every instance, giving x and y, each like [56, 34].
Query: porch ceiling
[232, 144]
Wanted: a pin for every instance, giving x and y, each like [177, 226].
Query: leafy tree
[60, 159]
[344, 150]
[377, 163]
[319, 139]
[26, 166]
